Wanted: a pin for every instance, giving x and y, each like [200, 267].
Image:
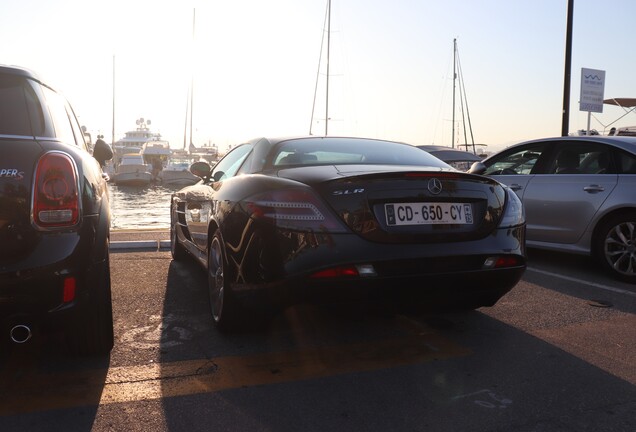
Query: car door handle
[593, 188]
[515, 187]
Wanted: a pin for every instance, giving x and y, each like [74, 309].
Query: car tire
[93, 334]
[177, 250]
[615, 246]
[227, 313]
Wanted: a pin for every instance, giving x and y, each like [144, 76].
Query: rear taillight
[55, 197]
[514, 213]
[296, 209]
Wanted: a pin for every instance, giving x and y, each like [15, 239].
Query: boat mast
[463, 100]
[112, 143]
[194, 14]
[322, 42]
[185, 128]
[454, 79]
[190, 98]
[328, 47]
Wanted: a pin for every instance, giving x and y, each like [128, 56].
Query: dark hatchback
[54, 220]
[310, 219]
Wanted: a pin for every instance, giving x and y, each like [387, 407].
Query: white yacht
[156, 155]
[177, 172]
[134, 140]
[132, 171]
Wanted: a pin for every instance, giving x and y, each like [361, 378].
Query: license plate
[428, 213]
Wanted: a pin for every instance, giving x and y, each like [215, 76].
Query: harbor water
[134, 208]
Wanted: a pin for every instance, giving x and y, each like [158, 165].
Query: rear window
[627, 163]
[20, 110]
[60, 116]
[334, 151]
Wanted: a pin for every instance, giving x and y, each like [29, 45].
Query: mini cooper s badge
[11, 173]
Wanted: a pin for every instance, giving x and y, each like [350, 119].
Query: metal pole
[565, 126]
[112, 142]
[194, 14]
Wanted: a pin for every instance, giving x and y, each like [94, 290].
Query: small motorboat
[177, 172]
[132, 171]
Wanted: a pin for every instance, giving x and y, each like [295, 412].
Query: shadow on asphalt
[40, 384]
[496, 377]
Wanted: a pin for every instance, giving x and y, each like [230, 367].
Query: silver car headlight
[514, 213]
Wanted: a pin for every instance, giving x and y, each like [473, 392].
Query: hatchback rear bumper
[53, 293]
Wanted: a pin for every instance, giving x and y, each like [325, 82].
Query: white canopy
[621, 102]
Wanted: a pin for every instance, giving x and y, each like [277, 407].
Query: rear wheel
[92, 333]
[615, 246]
[227, 313]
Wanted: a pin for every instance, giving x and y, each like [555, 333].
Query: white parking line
[581, 281]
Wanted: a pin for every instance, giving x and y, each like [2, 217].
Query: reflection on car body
[578, 193]
[305, 219]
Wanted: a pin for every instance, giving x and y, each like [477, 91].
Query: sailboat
[190, 98]
[328, 25]
[458, 77]
[177, 169]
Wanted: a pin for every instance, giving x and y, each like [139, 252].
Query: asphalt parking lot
[556, 354]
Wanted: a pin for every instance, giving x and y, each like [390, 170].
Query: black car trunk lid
[416, 206]
[16, 176]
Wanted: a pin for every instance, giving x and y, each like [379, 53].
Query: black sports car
[323, 219]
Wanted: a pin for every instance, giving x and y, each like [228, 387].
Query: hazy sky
[255, 65]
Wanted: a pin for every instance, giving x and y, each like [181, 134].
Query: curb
[154, 245]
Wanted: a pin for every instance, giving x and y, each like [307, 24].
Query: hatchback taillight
[55, 197]
[296, 209]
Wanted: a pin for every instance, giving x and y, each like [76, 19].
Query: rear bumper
[32, 291]
[463, 289]
[40, 301]
[444, 274]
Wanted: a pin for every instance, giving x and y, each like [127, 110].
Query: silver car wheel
[620, 248]
[216, 278]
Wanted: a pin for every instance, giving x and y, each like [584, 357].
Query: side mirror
[477, 168]
[102, 152]
[201, 169]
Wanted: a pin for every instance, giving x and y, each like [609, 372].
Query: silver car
[579, 195]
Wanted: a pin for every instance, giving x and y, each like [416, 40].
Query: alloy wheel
[216, 278]
[620, 248]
